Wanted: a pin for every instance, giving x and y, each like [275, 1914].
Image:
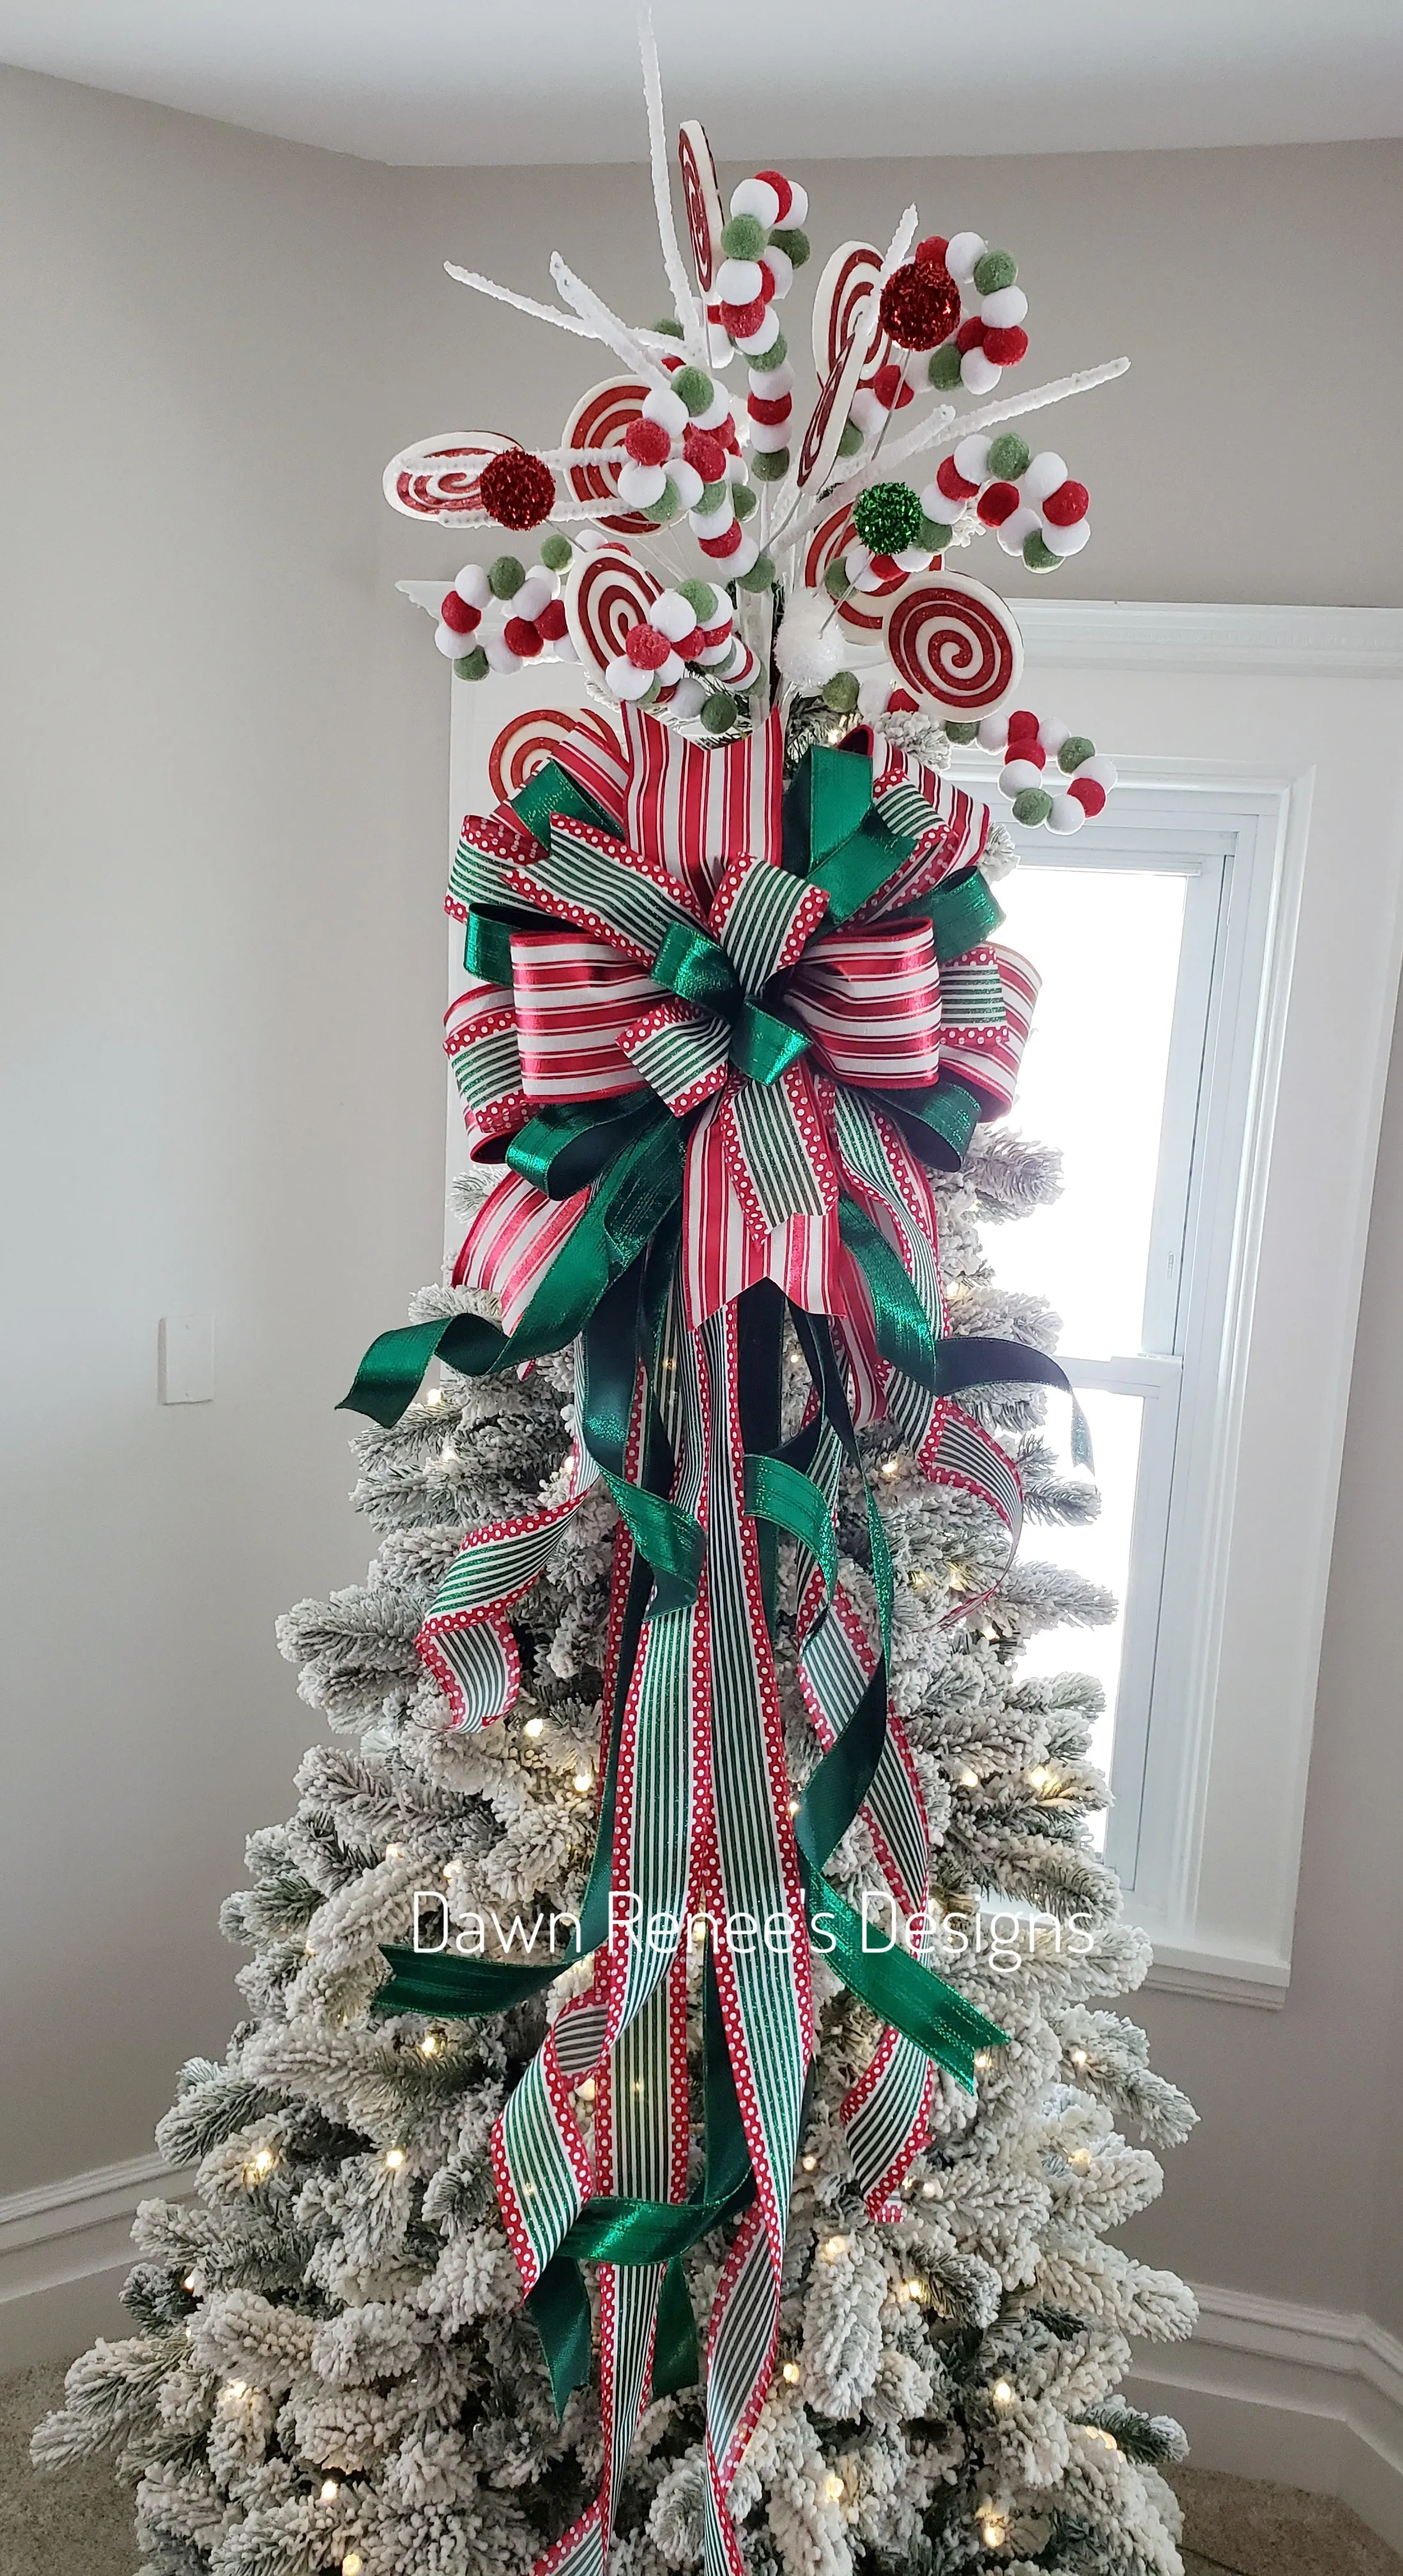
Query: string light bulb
[833, 2486]
[930, 2188]
[792, 2373]
[189, 2281]
[1040, 1779]
[1080, 2157]
[394, 2158]
[588, 2089]
[891, 1466]
[983, 2061]
[1002, 2393]
[809, 2163]
[264, 2161]
[584, 1780]
[535, 1727]
[330, 2491]
[235, 2388]
[352, 2563]
[1080, 2058]
[394, 1851]
[969, 1779]
[993, 2529]
[430, 2044]
[835, 2247]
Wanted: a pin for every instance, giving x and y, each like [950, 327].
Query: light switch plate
[185, 1359]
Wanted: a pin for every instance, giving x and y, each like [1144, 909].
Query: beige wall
[224, 755]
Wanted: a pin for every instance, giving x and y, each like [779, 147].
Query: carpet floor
[80, 2524]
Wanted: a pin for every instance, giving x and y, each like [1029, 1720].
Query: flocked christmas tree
[827, 2308]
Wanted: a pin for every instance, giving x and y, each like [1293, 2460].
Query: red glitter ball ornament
[518, 491]
[647, 647]
[920, 305]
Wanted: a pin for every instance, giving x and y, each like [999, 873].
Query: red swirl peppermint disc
[829, 417]
[600, 419]
[849, 278]
[607, 593]
[702, 198]
[865, 611]
[955, 644]
[438, 478]
[525, 745]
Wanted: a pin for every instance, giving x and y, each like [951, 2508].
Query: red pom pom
[521, 635]
[1022, 720]
[777, 180]
[704, 452]
[744, 320]
[646, 647]
[1067, 504]
[901, 703]
[725, 431]
[1005, 348]
[456, 613]
[728, 543]
[920, 305]
[687, 647]
[952, 482]
[891, 388]
[997, 502]
[931, 252]
[771, 408]
[647, 441]
[970, 335]
[1089, 793]
[518, 491]
[769, 283]
[552, 620]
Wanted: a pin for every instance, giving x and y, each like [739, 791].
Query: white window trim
[1261, 712]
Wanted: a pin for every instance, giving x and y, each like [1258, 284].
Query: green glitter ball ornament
[887, 516]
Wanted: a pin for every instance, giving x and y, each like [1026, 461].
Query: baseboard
[1310, 2396]
[65, 2249]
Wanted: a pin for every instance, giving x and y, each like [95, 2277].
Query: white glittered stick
[936, 432]
[604, 325]
[683, 302]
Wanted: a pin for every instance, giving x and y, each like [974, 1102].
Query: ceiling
[470, 81]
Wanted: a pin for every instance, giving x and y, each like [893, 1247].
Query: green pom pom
[835, 580]
[693, 386]
[720, 711]
[505, 577]
[993, 271]
[1032, 805]
[557, 553]
[761, 363]
[936, 534]
[851, 439]
[761, 575]
[701, 597]
[671, 328]
[793, 243]
[666, 507]
[471, 666]
[744, 237]
[888, 516]
[1077, 748]
[770, 465]
[955, 731]
[713, 497]
[1038, 554]
[944, 367]
[840, 693]
[1009, 456]
[743, 500]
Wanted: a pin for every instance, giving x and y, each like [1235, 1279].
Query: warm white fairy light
[993, 2527]
[394, 1851]
[588, 2089]
[1080, 2157]
[434, 1395]
[891, 1466]
[930, 2188]
[833, 2486]
[809, 2163]
[1080, 2058]
[1040, 1779]
[792, 2373]
[535, 1727]
[330, 2491]
[584, 1779]
[1002, 2393]
[394, 2158]
[189, 2281]
[352, 2563]
[969, 1779]
[234, 2389]
[430, 2044]
[835, 2247]
[983, 2061]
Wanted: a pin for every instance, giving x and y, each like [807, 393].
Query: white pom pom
[712, 654]
[712, 523]
[758, 198]
[809, 645]
[671, 671]
[690, 695]
[535, 591]
[686, 482]
[473, 586]
[1019, 774]
[1102, 770]
[1018, 525]
[1067, 815]
[625, 678]
[771, 384]
[767, 437]
[781, 268]
[717, 411]
[971, 461]
[451, 643]
[667, 409]
[641, 485]
[1052, 733]
[1042, 475]
[913, 558]
[746, 554]
[499, 655]
[961, 252]
[756, 343]
[719, 345]
[737, 281]
[1066, 541]
[735, 467]
[874, 687]
[867, 413]
[798, 214]
[1003, 309]
[993, 733]
[672, 615]
[978, 374]
[857, 559]
[564, 650]
[590, 537]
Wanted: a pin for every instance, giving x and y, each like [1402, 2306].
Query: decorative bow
[720, 1033]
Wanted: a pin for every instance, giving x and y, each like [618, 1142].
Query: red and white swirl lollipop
[606, 596]
[528, 741]
[702, 198]
[829, 417]
[955, 644]
[438, 478]
[602, 418]
[864, 611]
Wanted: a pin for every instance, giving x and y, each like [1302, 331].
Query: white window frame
[1257, 715]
